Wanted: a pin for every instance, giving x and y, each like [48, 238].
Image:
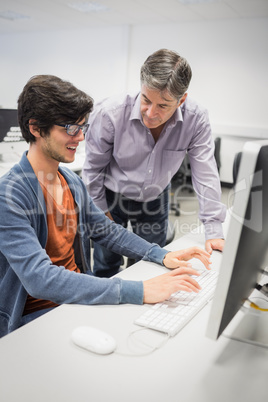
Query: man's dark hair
[49, 100]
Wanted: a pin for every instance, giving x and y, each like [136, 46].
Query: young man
[48, 218]
[135, 145]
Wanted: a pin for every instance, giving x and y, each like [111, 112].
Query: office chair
[217, 149]
[236, 164]
[170, 237]
[179, 182]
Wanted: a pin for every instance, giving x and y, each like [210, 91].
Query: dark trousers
[148, 220]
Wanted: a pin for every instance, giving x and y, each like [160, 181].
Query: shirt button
[150, 171]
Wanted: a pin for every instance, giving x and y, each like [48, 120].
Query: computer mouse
[94, 340]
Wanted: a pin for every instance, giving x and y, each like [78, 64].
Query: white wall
[95, 60]
[229, 61]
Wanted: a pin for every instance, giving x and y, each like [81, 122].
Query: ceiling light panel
[11, 15]
[88, 7]
[198, 1]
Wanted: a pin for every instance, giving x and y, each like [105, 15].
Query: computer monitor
[12, 144]
[9, 126]
[245, 253]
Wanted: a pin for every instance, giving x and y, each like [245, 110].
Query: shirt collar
[177, 116]
[136, 113]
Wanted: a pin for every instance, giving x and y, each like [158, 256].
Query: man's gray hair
[166, 70]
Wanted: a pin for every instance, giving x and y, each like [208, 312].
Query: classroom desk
[39, 363]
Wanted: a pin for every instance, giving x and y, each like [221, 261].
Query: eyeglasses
[73, 129]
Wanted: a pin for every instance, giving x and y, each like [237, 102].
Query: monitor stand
[250, 326]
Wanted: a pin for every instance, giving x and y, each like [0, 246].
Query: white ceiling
[52, 15]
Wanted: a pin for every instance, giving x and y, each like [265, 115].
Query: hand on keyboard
[161, 287]
[175, 259]
[171, 315]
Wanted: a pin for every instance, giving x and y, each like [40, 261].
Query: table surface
[40, 363]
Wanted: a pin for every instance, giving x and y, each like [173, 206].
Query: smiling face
[157, 107]
[59, 146]
[54, 148]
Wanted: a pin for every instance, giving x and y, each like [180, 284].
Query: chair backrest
[236, 164]
[217, 142]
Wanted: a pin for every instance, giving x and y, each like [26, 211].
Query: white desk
[39, 363]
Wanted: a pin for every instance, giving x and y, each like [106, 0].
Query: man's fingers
[183, 271]
[184, 278]
[191, 284]
[204, 261]
[161, 287]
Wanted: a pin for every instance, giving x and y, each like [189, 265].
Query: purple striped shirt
[121, 154]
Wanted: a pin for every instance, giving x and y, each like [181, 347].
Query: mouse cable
[143, 343]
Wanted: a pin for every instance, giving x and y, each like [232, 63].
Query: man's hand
[161, 287]
[175, 259]
[214, 244]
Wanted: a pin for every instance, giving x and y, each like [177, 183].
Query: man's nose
[151, 110]
[80, 136]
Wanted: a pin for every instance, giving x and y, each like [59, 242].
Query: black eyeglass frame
[83, 127]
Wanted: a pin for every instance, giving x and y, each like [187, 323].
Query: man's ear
[182, 99]
[34, 129]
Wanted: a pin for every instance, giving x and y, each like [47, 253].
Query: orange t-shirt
[62, 227]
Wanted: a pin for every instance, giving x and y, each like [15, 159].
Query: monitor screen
[245, 252]
[9, 126]
[12, 144]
